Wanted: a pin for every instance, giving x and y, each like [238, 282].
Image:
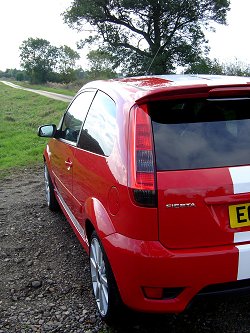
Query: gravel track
[59, 97]
[45, 283]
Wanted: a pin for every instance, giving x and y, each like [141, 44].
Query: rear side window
[98, 133]
[192, 134]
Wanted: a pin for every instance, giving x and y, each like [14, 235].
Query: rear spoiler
[196, 91]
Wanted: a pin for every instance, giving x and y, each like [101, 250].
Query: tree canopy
[215, 67]
[38, 58]
[101, 65]
[66, 62]
[41, 60]
[153, 36]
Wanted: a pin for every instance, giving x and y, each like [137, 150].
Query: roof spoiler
[230, 92]
[196, 91]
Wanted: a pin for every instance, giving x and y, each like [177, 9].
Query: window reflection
[100, 126]
[75, 116]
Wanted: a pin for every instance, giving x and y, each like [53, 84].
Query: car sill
[76, 224]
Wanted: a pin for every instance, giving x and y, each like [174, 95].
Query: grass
[70, 92]
[20, 115]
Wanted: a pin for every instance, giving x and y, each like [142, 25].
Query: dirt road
[44, 275]
[59, 97]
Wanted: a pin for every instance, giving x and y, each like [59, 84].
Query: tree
[151, 36]
[205, 66]
[236, 68]
[208, 66]
[38, 58]
[43, 61]
[66, 63]
[101, 65]
[13, 73]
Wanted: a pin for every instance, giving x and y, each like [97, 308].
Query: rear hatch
[202, 149]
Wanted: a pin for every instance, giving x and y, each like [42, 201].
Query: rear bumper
[183, 274]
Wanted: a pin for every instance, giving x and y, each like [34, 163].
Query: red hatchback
[153, 174]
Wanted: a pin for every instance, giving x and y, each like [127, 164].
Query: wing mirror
[47, 131]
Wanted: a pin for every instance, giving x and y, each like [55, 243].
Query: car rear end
[189, 164]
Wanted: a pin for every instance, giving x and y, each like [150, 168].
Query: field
[20, 115]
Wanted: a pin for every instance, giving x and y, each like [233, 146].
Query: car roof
[162, 81]
[134, 88]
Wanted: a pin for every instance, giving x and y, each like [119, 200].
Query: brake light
[142, 180]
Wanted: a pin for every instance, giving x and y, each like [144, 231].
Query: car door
[63, 148]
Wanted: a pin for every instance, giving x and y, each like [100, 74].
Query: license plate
[239, 215]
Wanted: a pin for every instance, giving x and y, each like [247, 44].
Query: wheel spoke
[93, 255]
[103, 280]
[104, 289]
[93, 263]
[98, 256]
[103, 300]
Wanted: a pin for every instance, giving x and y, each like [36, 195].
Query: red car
[153, 174]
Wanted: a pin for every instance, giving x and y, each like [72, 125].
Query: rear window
[192, 134]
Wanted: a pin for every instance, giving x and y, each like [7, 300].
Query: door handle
[68, 164]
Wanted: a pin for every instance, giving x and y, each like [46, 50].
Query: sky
[21, 19]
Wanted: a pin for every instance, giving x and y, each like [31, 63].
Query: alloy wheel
[47, 184]
[98, 276]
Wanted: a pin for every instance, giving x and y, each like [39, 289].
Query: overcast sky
[21, 19]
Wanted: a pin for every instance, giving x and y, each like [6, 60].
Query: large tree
[38, 58]
[152, 36]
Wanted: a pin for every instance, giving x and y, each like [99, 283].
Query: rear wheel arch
[97, 218]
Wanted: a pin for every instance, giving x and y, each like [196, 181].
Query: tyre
[103, 282]
[49, 191]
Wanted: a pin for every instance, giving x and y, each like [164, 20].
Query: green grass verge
[70, 92]
[20, 115]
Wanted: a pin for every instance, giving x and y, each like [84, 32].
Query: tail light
[142, 180]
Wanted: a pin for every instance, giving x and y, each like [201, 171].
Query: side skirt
[78, 229]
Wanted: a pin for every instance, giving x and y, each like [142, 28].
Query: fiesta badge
[181, 205]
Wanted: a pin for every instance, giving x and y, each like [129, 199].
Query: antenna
[146, 73]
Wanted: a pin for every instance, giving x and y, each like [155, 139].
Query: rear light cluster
[142, 181]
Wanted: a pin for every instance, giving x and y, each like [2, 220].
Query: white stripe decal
[244, 262]
[240, 237]
[241, 179]
[241, 184]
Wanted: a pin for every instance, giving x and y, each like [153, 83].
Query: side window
[99, 130]
[75, 116]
